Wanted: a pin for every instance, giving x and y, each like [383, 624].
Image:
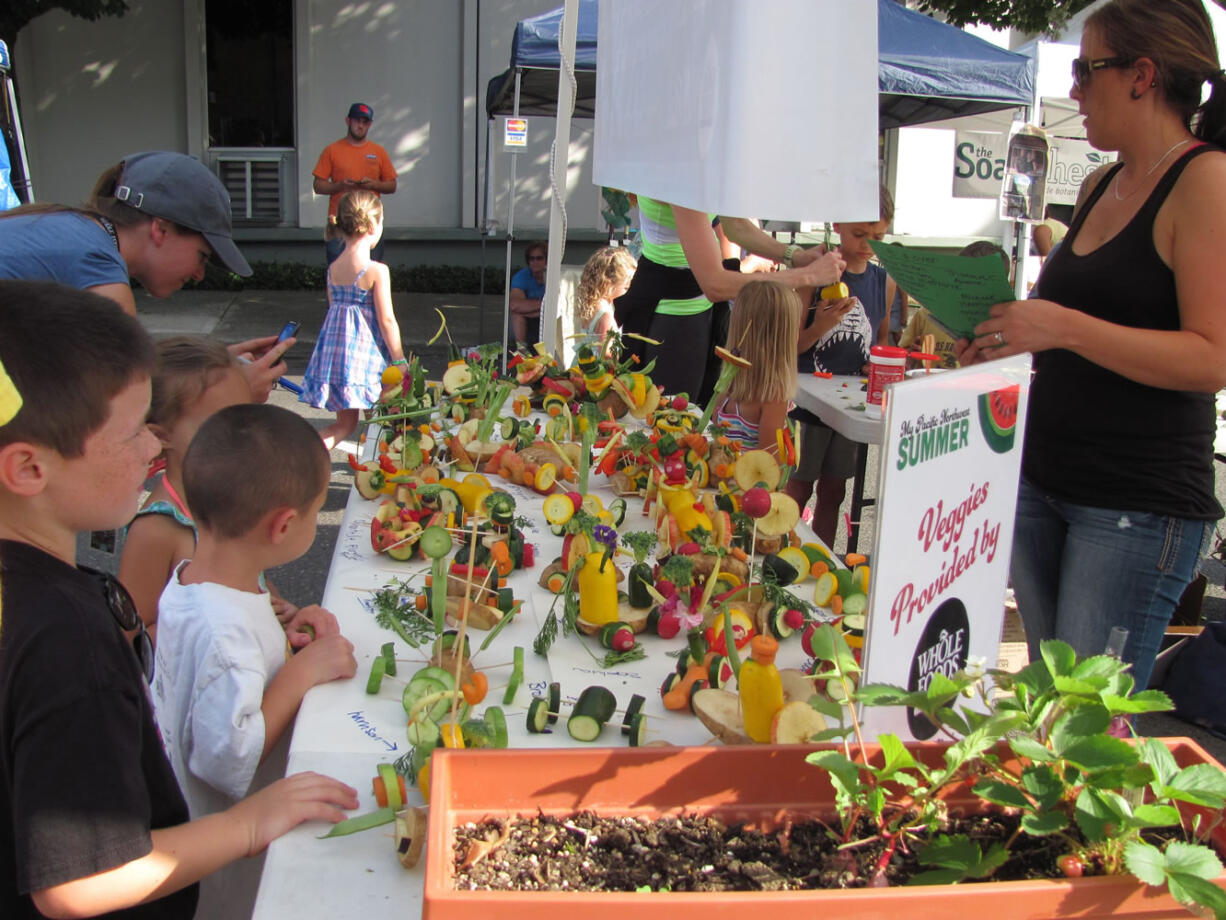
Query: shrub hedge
[297, 276]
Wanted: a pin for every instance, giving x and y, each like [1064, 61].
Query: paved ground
[238, 316]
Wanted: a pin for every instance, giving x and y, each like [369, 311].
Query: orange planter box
[758, 785]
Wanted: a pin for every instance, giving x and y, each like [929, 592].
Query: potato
[720, 712]
[612, 402]
[633, 617]
[480, 616]
[704, 565]
[410, 835]
[445, 659]
[796, 723]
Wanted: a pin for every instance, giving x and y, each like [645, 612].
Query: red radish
[669, 625]
[666, 588]
[689, 548]
[529, 555]
[680, 403]
[793, 619]
[756, 502]
[575, 499]
[806, 640]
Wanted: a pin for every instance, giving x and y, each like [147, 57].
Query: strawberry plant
[1098, 799]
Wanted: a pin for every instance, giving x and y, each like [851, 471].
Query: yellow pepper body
[598, 589]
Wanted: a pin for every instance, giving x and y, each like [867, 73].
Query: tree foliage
[15, 14]
[1039, 16]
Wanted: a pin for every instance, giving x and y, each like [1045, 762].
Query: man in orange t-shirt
[353, 162]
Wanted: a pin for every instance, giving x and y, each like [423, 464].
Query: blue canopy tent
[928, 71]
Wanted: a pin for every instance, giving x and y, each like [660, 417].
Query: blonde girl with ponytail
[360, 336]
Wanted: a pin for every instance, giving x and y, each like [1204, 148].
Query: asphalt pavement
[470, 320]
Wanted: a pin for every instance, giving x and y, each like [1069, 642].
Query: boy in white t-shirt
[225, 687]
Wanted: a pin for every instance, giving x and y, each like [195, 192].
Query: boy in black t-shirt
[91, 819]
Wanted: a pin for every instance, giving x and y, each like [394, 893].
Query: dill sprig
[393, 609]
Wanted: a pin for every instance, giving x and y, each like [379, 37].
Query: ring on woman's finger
[1000, 338]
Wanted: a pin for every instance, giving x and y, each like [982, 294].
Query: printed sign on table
[979, 163]
[950, 466]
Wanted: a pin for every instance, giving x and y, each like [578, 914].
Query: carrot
[737, 553]
[501, 555]
[429, 475]
[855, 559]
[380, 790]
[421, 602]
[836, 605]
[474, 691]
[818, 569]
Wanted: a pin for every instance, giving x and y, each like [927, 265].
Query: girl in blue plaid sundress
[360, 336]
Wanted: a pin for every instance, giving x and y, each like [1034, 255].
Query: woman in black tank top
[1129, 336]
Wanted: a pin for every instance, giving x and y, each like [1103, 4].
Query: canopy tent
[928, 71]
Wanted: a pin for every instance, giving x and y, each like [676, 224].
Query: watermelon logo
[998, 417]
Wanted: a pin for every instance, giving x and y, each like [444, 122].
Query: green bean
[361, 823]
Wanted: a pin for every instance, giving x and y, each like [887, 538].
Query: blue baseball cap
[181, 189]
[361, 110]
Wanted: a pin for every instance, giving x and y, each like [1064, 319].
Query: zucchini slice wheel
[538, 715]
[555, 702]
[591, 711]
[517, 676]
[632, 710]
[637, 730]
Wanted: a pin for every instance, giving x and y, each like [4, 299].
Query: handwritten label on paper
[366, 728]
[957, 290]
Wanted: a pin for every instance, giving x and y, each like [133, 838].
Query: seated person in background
[527, 292]
[226, 688]
[923, 324]
[606, 276]
[1049, 234]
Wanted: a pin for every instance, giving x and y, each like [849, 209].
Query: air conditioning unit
[262, 183]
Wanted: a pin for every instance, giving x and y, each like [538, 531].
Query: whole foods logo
[998, 417]
[942, 649]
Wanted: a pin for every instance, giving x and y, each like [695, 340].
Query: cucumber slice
[719, 672]
[592, 710]
[477, 734]
[637, 730]
[435, 542]
[558, 530]
[509, 427]
[517, 676]
[632, 711]
[500, 507]
[388, 651]
[538, 715]
[424, 733]
[669, 682]
[447, 641]
[425, 682]
[391, 782]
[497, 724]
[853, 623]
[506, 599]
[378, 668]
[778, 624]
[855, 605]
[555, 702]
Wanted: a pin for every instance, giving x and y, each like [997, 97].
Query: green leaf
[1099, 752]
[1094, 812]
[1200, 784]
[1034, 750]
[1035, 677]
[1001, 793]
[1103, 666]
[1154, 816]
[1159, 756]
[1192, 859]
[1145, 701]
[1047, 822]
[833, 734]
[897, 757]
[884, 695]
[949, 717]
[1146, 862]
[955, 851]
[1078, 722]
[1189, 890]
[842, 770]
[1076, 686]
[827, 707]
[1043, 784]
[940, 691]
[1058, 656]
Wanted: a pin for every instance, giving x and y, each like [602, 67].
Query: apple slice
[796, 723]
[783, 515]
[457, 377]
[756, 468]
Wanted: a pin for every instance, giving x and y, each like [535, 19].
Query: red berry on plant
[1071, 865]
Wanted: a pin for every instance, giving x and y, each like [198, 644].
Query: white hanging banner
[1071, 161]
[722, 106]
[951, 460]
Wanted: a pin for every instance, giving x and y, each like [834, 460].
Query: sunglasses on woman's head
[1084, 67]
[124, 611]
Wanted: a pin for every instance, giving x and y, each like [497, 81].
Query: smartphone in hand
[288, 330]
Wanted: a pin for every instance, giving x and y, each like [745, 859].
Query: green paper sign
[957, 290]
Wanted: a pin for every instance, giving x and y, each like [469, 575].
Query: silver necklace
[1115, 186]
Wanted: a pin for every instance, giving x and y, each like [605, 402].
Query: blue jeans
[1078, 571]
